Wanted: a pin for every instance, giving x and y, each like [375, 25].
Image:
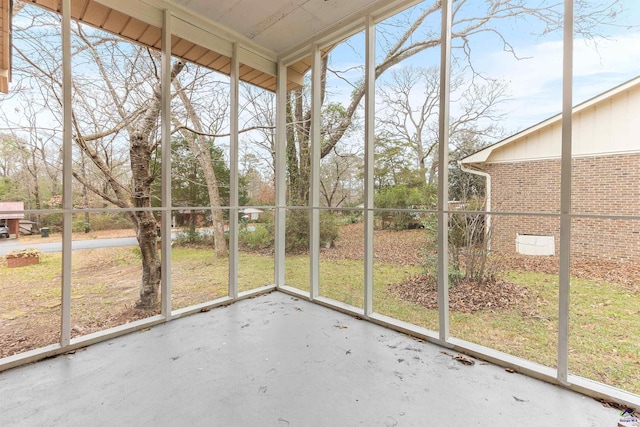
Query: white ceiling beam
[197, 29]
[348, 26]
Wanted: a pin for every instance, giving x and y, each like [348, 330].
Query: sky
[535, 80]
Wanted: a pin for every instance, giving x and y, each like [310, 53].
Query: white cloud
[536, 82]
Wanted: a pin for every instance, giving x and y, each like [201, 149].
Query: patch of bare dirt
[465, 296]
[103, 293]
[20, 335]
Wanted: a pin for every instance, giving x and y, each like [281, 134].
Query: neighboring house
[523, 175]
[10, 215]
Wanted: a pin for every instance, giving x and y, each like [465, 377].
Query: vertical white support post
[67, 165]
[165, 129]
[369, 139]
[565, 195]
[443, 175]
[281, 173]
[314, 199]
[233, 172]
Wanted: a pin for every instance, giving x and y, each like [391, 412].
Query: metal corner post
[314, 202]
[67, 165]
[233, 169]
[281, 173]
[565, 196]
[369, 140]
[165, 123]
[443, 176]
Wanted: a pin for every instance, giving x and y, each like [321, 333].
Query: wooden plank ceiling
[263, 30]
[100, 16]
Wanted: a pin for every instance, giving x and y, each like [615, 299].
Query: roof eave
[481, 156]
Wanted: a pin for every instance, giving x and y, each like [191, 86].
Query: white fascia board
[347, 27]
[483, 155]
[211, 35]
[257, 61]
[211, 26]
[137, 9]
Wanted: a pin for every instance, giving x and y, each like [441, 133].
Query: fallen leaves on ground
[465, 360]
[390, 246]
[625, 273]
[466, 296]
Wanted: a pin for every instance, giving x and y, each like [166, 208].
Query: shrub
[404, 197]
[51, 220]
[194, 237]
[328, 229]
[110, 221]
[468, 245]
[80, 225]
[256, 239]
[25, 253]
[297, 230]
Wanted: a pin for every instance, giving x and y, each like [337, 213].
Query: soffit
[143, 25]
[205, 31]
[280, 25]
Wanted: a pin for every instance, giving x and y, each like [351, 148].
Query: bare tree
[413, 33]
[259, 109]
[409, 112]
[338, 178]
[116, 108]
[199, 145]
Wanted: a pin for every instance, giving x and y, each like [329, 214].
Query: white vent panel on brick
[528, 244]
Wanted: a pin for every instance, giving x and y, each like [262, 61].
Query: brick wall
[600, 185]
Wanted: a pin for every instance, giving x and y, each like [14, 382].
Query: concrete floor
[275, 360]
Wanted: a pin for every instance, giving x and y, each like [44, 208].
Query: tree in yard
[258, 129]
[116, 113]
[464, 186]
[390, 166]
[15, 174]
[116, 109]
[412, 33]
[200, 145]
[340, 178]
[415, 127]
[189, 186]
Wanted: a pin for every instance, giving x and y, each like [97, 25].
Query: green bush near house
[257, 238]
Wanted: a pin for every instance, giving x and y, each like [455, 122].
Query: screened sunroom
[247, 213]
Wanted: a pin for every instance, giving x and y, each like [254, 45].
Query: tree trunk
[141, 148]
[204, 158]
[146, 234]
[199, 146]
[292, 154]
[144, 222]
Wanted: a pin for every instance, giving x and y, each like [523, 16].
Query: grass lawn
[605, 317]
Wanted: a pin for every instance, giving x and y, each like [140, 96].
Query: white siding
[543, 144]
[611, 126]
